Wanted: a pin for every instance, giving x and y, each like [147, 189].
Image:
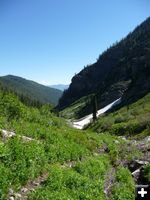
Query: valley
[59, 162]
[52, 147]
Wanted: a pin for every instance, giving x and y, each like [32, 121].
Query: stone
[7, 134]
[36, 183]
[137, 171]
[142, 162]
[26, 139]
[24, 190]
[11, 198]
[147, 139]
[32, 189]
[11, 191]
[123, 138]
[18, 196]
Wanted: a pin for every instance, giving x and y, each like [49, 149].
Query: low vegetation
[132, 120]
[77, 162]
[147, 172]
[73, 111]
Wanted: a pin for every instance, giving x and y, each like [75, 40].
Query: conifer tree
[94, 107]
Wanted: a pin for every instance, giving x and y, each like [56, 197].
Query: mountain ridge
[119, 71]
[31, 89]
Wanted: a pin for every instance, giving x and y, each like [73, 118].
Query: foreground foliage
[77, 161]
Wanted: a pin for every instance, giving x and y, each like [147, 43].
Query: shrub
[124, 187]
[147, 172]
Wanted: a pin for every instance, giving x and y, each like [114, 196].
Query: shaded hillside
[123, 67]
[31, 89]
[132, 120]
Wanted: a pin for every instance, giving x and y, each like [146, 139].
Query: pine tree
[94, 108]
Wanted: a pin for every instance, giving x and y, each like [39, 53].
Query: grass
[124, 186]
[147, 172]
[132, 120]
[84, 181]
[54, 146]
[72, 112]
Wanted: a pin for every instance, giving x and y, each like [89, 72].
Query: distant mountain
[122, 70]
[61, 87]
[31, 89]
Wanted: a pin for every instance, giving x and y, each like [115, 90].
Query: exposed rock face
[123, 67]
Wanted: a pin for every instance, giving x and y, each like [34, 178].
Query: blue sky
[48, 41]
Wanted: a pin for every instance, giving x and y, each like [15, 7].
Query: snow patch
[80, 123]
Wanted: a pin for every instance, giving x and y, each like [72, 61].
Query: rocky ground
[135, 166]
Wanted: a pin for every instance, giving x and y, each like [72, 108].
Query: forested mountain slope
[123, 69]
[31, 89]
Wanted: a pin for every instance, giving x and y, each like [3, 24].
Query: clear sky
[48, 41]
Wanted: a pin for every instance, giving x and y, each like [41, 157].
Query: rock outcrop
[122, 70]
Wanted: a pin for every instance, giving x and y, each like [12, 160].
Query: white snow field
[81, 123]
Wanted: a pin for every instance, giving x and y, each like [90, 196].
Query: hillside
[31, 89]
[122, 70]
[132, 120]
[42, 158]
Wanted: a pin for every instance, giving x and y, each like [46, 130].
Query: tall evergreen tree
[94, 107]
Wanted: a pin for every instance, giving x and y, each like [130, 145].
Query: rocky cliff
[122, 70]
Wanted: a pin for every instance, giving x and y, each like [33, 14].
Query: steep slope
[85, 121]
[132, 120]
[31, 89]
[123, 67]
[41, 158]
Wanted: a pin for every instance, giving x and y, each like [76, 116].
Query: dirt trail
[109, 181]
[29, 187]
